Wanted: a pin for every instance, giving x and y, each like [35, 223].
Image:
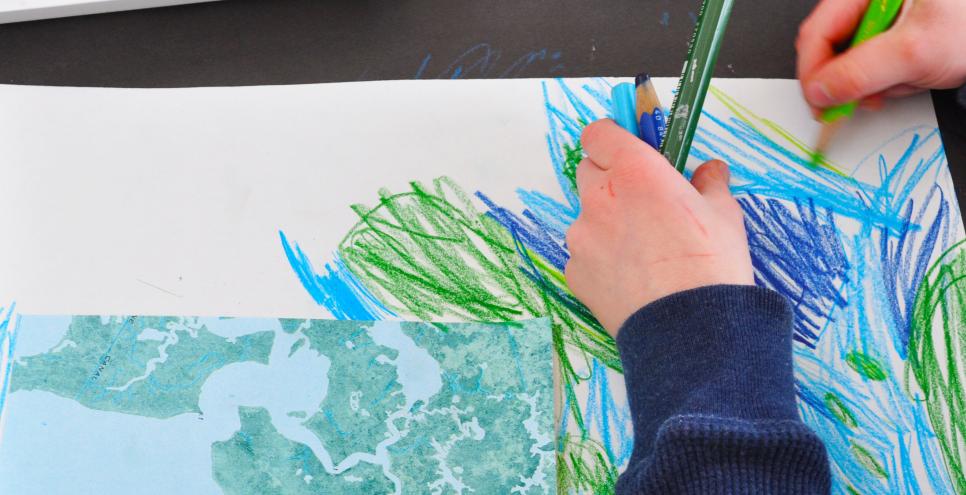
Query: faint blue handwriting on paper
[253, 406]
[868, 253]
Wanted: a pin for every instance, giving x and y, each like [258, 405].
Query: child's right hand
[923, 50]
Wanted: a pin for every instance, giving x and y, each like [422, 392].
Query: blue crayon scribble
[9, 323]
[665, 19]
[848, 248]
[484, 61]
[337, 290]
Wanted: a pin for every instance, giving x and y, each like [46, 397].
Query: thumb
[711, 180]
[861, 71]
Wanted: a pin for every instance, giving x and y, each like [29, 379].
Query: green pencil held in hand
[695, 80]
[877, 19]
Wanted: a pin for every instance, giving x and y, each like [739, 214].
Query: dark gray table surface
[245, 42]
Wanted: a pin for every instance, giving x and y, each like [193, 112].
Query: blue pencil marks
[423, 66]
[548, 212]
[9, 323]
[665, 19]
[483, 61]
[611, 422]
[531, 232]
[797, 252]
[337, 289]
[905, 259]
[563, 137]
[848, 249]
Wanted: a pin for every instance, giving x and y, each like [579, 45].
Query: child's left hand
[644, 232]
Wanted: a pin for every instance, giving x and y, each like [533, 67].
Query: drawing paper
[29, 10]
[448, 200]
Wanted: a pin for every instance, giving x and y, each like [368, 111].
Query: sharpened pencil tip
[816, 158]
[825, 137]
[641, 79]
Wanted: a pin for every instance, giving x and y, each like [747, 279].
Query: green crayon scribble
[815, 159]
[573, 154]
[430, 254]
[868, 461]
[865, 365]
[937, 355]
[583, 467]
[840, 410]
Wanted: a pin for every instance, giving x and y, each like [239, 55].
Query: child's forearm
[712, 394]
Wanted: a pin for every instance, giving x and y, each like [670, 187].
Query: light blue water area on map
[53, 443]
[50, 442]
[38, 334]
[419, 374]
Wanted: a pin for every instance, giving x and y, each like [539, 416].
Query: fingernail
[817, 94]
[725, 171]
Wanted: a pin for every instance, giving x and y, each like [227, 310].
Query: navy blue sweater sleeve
[712, 394]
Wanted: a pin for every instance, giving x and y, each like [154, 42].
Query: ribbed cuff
[723, 351]
[714, 456]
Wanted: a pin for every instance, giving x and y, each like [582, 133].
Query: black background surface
[246, 42]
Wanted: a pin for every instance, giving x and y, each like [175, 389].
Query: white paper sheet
[171, 201]
[29, 10]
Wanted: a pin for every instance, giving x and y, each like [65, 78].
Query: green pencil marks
[840, 410]
[761, 124]
[852, 490]
[937, 355]
[257, 460]
[363, 390]
[865, 365]
[429, 254]
[148, 366]
[868, 461]
[573, 154]
[583, 465]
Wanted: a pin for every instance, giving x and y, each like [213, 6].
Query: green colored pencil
[695, 80]
[877, 19]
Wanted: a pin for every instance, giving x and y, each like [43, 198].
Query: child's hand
[923, 50]
[644, 232]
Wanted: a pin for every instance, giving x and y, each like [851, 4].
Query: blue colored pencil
[648, 132]
[650, 116]
[622, 99]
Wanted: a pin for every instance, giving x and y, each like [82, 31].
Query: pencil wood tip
[825, 135]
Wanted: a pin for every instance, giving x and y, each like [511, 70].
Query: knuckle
[852, 80]
[912, 46]
[574, 236]
[915, 51]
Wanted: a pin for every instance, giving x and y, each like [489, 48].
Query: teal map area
[256, 406]
[148, 366]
